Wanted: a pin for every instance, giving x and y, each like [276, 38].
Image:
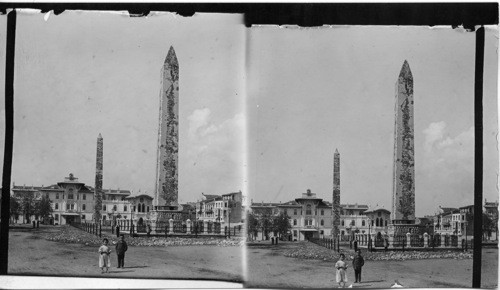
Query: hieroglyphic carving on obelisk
[403, 193]
[336, 194]
[98, 179]
[166, 190]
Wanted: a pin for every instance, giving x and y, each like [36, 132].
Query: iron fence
[399, 241]
[416, 241]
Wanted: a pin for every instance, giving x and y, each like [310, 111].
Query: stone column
[403, 196]
[166, 188]
[170, 226]
[98, 180]
[408, 240]
[391, 240]
[188, 226]
[443, 237]
[426, 240]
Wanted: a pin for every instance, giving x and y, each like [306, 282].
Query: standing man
[121, 248]
[356, 245]
[357, 264]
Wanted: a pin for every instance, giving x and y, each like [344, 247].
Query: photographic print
[128, 149]
[361, 157]
[182, 146]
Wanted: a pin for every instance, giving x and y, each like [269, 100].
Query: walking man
[357, 263]
[356, 245]
[121, 248]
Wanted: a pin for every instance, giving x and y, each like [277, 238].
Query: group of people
[105, 252]
[341, 266]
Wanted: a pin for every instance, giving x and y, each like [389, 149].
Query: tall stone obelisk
[98, 179]
[166, 190]
[403, 192]
[336, 194]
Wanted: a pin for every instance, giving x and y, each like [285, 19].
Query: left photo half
[128, 146]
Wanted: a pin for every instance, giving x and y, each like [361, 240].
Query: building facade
[226, 208]
[73, 202]
[312, 217]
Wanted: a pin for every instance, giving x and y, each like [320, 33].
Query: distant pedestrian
[386, 243]
[341, 267]
[355, 245]
[357, 264]
[117, 231]
[104, 252]
[121, 247]
[149, 230]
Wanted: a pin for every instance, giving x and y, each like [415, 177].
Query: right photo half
[361, 157]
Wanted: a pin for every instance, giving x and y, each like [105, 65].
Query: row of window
[115, 208]
[379, 222]
[72, 196]
[308, 211]
[56, 217]
[308, 222]
[322, 212]
[70, 206]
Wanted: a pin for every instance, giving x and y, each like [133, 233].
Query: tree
[44, 208]
[281, 224]
[15, 209]
[266, 224]
[27, 202]
[252, 225]
[488, 226]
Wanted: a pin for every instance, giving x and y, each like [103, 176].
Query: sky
[84, 73]
[262, 109]
[314, 90]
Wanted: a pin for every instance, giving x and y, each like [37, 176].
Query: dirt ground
[267, 267]
[30, 254]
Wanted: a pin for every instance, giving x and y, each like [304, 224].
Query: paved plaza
[268, 267]
[31, 254]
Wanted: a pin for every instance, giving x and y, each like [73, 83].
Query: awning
[308, 230]
[70, 213]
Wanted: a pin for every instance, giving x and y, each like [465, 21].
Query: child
[341, 267]
[104, 252]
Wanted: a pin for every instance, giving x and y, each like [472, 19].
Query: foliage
[265, 223]
[43, 207]
[27, 201]
[281, 224]
[489, 225]
[15, 209]
[252, 224]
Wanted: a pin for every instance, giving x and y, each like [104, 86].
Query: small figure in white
[104, 252]
[341, 267]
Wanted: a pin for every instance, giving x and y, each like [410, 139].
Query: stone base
[399, 227]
